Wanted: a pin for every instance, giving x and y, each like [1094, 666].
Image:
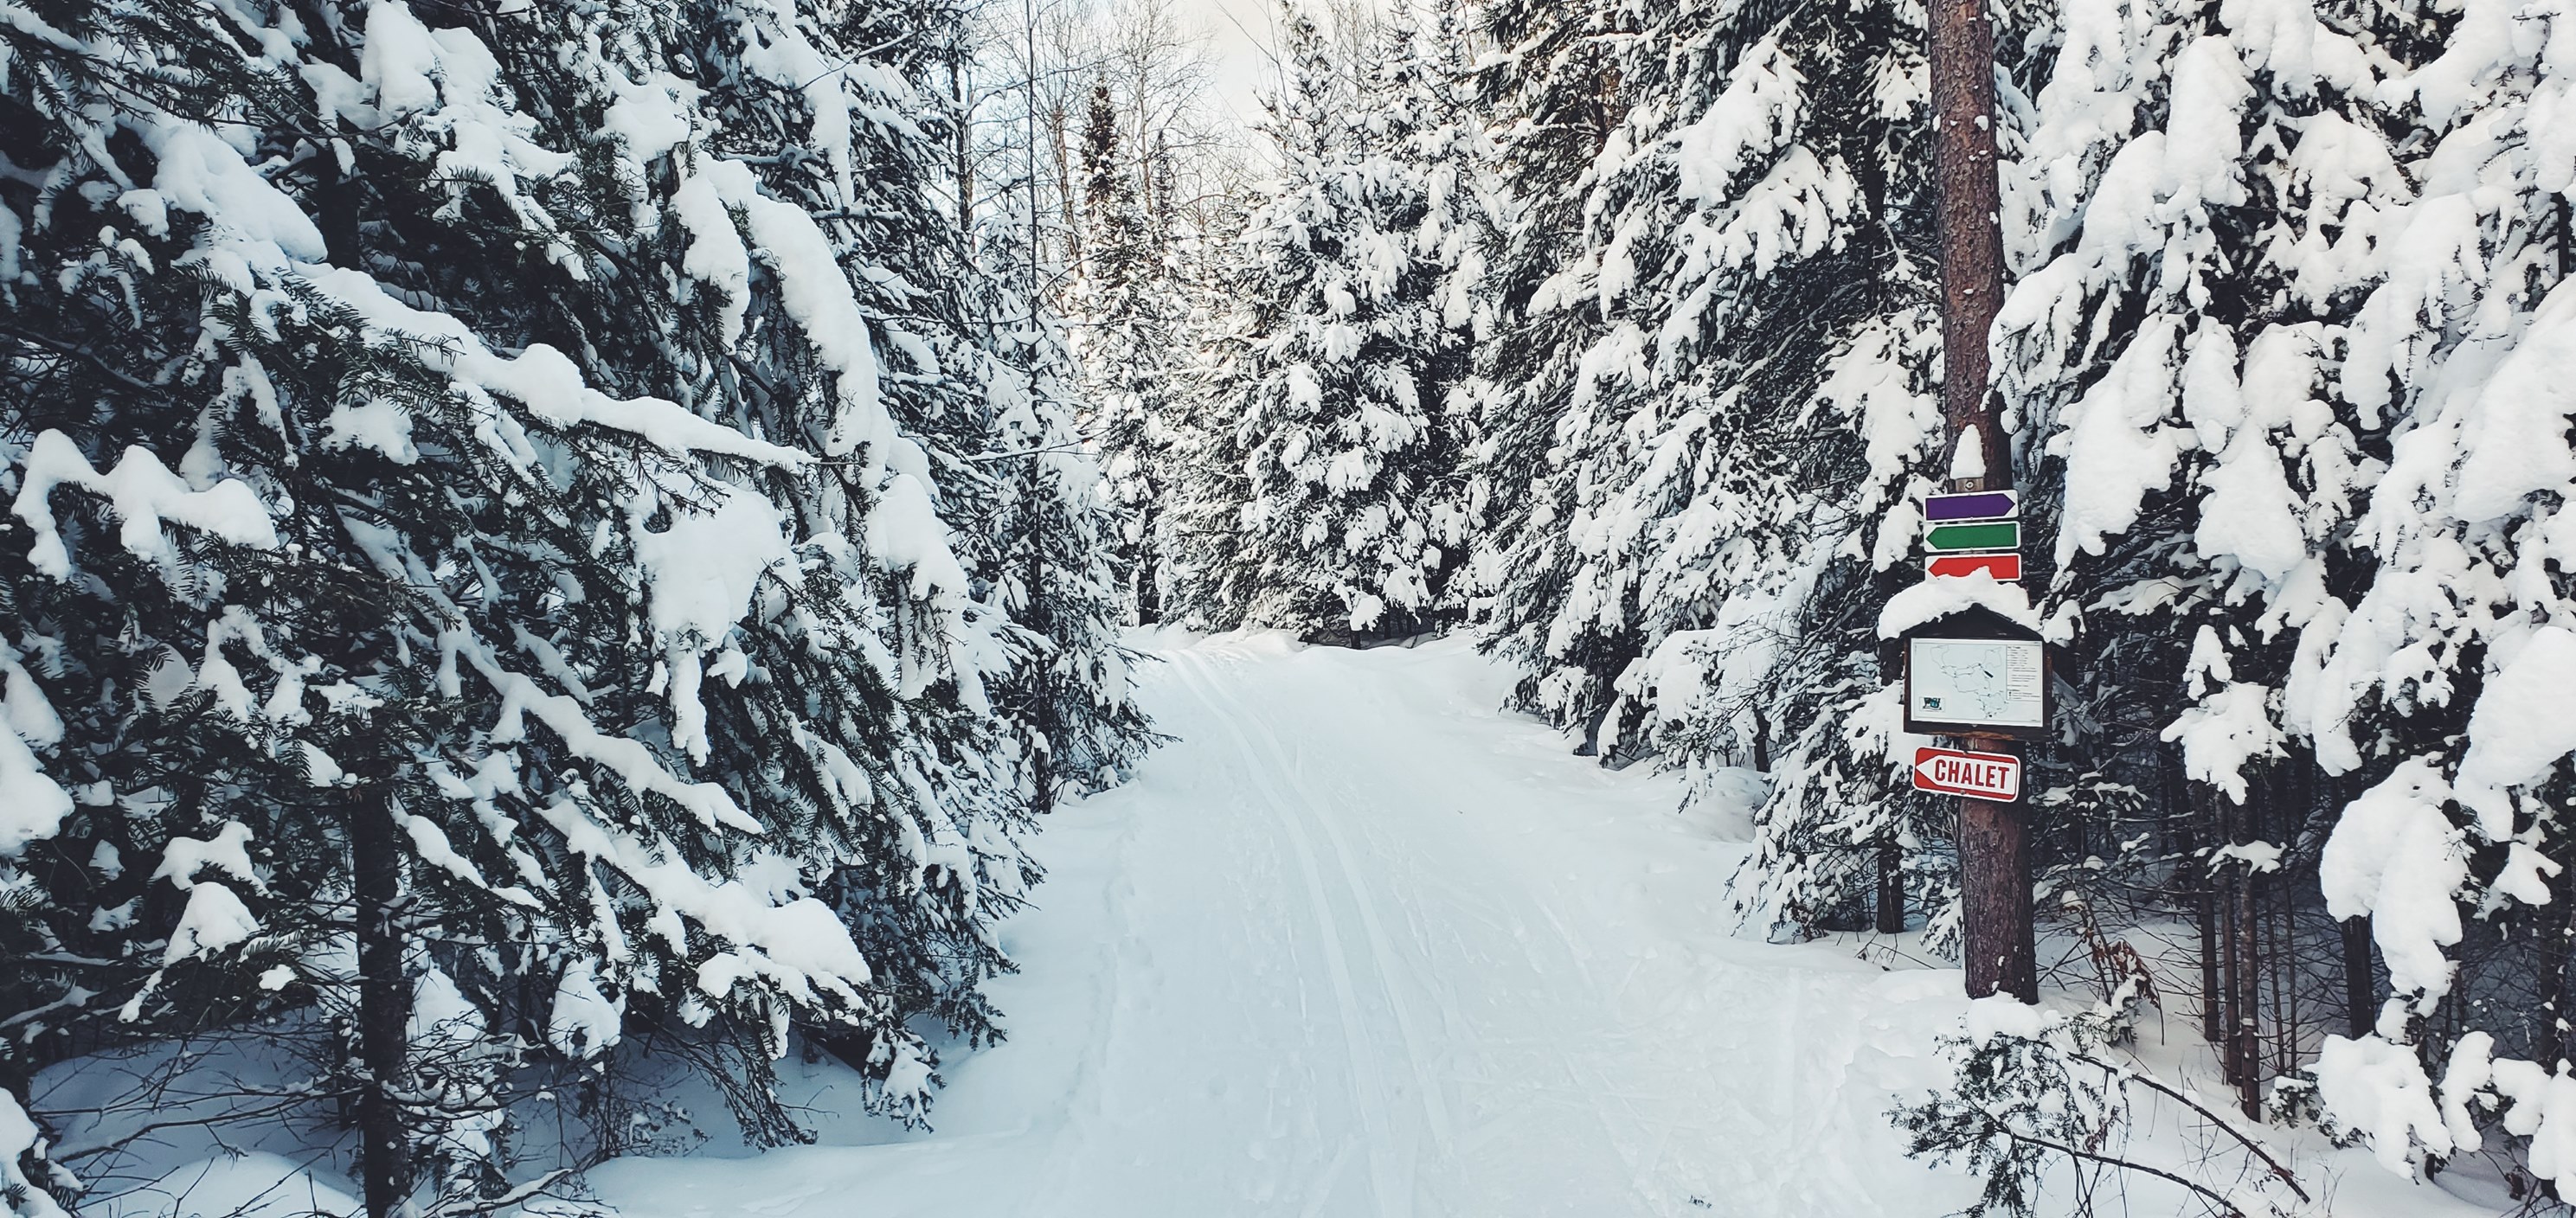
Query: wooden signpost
[1997, 945]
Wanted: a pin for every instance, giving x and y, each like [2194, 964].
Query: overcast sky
[1237, 31]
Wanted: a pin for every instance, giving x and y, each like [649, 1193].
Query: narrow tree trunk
[962, 148]
[384, 1001]
[2216, 964]
[2198, 840]
[2558, 975]
[2224, 884]
[2360, 1001]
[2246, 1041]
[1891, 889]
[1058, 139]
[1972, 251]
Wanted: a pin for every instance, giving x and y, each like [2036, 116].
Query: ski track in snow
[1360, 944]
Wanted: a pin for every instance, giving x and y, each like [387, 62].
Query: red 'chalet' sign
[1992, 776]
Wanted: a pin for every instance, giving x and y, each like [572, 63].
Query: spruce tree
[1131, 335]
[494, 509]
[1712, 409]
[1340, 510]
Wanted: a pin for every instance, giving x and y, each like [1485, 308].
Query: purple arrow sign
[1987, 505]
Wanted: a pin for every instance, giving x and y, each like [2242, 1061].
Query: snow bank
[254, 1185]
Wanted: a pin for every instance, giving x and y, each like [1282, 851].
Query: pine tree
[1131, 335]
[1713, 409]
[538, 538]
[1446, 161]
[1336, 425]
[1071, 687]
[1555, 100]
[2418, 677]
[2282, 272]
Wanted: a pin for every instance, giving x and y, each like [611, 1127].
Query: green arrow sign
[1995, 535]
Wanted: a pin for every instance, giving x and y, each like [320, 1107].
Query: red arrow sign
[2006, 568]
[1977, 775]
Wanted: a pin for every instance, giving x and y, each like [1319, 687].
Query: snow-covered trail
[1359, 944]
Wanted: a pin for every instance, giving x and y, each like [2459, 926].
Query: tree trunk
[2360, 1002]
[2198, 841]
[1994, 863]
[1891, 889]
[1994, 896]
[2245, 1041]
[1972, 252]
[2558, 975]
[384, 1001]
[962, 149]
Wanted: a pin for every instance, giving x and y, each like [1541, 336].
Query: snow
[377, 424]
[1360, 943]
[2520, 728]
[143, 494]
[2516, 441]
[228, 852]
[398, 58]
[2379, 1090]
[1933, 599]
[2394, 856]
[2118, 439]
[1755, 114]
[584, 1022]
[542, 378]
[18, 1136]
[254, 1185]
[2224, 731]
[631, 760]
[905, 533]
[198, 171]
[703, 569]
[815, 292]
[214, 921]
[32, 804]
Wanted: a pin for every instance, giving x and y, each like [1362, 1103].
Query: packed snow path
[1360, 944]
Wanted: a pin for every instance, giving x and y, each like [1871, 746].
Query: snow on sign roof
[1936, 599]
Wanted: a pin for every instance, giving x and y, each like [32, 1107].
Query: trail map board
[1984, 682]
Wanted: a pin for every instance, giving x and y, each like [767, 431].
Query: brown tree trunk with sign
[1994, 864]
[1994, 891]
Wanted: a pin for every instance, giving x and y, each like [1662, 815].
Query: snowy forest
[828, 607]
